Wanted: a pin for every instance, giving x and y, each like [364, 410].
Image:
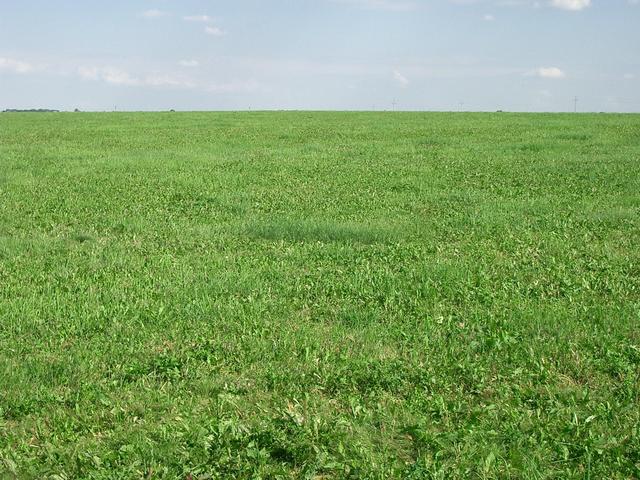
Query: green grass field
[319, 295]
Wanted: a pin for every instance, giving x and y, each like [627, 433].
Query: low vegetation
[319, 295]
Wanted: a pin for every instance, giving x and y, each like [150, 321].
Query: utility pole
[461, 105]
[575, 104]
[393, 105]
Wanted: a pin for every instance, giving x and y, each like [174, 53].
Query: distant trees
[32, 110]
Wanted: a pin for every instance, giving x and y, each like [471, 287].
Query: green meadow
[273, 295]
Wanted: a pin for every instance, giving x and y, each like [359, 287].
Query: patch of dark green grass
[82, 238]
[322, 231]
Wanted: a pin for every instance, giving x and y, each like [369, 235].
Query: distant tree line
[39, 110]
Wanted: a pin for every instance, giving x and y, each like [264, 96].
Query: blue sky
[523, 55]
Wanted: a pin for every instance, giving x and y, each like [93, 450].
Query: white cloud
[629, 76]
[118, 77]
[209, 29]
[392, 5]
[250, 86]
[89, 73]
[214, 31]
[111, 75]
[15, 66]
[198, 18]
[574, 5]
[488, 18]
[153, 13]
[189, 63]
[400, 79]
[167, 81]
[550, 72]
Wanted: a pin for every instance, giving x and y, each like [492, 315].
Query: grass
[319, 295]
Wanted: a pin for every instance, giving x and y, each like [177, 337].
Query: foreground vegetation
[319, 295]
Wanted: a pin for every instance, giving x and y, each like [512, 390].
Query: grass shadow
[322, 231]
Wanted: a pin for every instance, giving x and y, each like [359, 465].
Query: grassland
[319, 295]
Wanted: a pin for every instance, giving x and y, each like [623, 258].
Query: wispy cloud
[168, 81]
[119, 77]
[153, 13]
[15, 66]
[390, 5]
[488, 17]
[234, 87]
[214, 31]
[574, 5]
[111, 75]
[198, 18]
[550, 72]
[400, 79]
[189, 63]
[210, 29]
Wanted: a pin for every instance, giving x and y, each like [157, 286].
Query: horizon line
[302, 110]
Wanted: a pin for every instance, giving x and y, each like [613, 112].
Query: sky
[472, 55]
